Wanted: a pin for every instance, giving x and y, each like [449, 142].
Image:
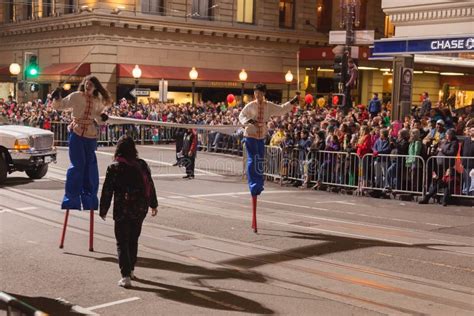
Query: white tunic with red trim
[85, 109]
[261, 113]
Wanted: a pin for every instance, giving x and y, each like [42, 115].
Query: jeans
[127, 232]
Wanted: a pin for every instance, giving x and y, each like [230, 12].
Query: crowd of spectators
[430, 130]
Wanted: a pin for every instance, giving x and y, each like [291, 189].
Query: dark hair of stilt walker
[254, 217]
[91, 230]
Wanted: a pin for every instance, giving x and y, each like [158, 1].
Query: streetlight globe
[136, 72]
[15, 69]
[289, 77]
[243, 75]
[67, 86]
[193, 74]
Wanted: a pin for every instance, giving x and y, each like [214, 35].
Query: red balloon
[230, 98]
[335, 100]
[308, 99]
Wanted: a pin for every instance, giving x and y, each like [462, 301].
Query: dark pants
[435, 187]
[127, 232]
[188, 162]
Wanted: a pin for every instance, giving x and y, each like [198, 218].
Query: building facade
[167, 37]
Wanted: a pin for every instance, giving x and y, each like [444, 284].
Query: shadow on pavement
[200, 272]
[328, 244]
[213, 299]
[46, 305]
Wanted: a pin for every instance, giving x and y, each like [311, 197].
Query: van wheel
[38, 172]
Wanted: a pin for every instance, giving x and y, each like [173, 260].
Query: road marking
[234, 193]
[131, 299]
[169, 164]
[27, 208]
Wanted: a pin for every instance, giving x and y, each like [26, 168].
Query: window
[153, 6]
[245, 11]
[389, 28]
[324, 15]
[287, 13]
[28, 10]
[69, 6]
[202, 9]
[47, 8]
[9, 12]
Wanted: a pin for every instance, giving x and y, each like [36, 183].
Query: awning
[4, 70]
[205, 74]
[67, 69]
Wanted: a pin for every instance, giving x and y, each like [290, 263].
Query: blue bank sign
[426, 46]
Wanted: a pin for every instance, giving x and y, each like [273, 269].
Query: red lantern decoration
[335, 100]
[230, 98]
[308, 99]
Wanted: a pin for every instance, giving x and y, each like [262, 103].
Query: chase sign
[413, 46]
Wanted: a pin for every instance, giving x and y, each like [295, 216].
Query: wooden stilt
[254, 209]
[91, 232]
[63, 235]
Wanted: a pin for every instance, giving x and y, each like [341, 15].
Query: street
[316, 253]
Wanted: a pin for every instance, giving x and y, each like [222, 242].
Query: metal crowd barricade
[212, 141]
[393, 173]
[273, 162]
[110, 134]
[293, 166]
[461, 173]
[333, 168]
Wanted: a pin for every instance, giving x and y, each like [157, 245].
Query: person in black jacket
[189, 152]
[129, 181]
[179, 142]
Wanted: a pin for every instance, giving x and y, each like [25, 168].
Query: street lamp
[193, 75]
[288, 79]
[15, 69]
[136, 73]
[242, 77]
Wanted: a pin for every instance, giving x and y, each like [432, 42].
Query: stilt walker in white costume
[257, 113]
[82, 179]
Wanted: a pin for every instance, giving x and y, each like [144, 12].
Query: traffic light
[340, 70]
[32, 69]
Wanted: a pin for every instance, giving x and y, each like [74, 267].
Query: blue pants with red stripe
[82, 179]
[255, 164]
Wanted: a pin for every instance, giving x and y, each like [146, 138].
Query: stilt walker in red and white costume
[257, 113]
[82, 179]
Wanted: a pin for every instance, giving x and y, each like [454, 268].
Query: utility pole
[350, 13]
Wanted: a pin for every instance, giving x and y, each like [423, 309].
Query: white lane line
[235, 193]
[173, 175]
[131, 299]
[27, 208]
[294, 205]
[344, 202]
[169, 164]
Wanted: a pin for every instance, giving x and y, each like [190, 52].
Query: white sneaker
[125, 282]
[132, 275]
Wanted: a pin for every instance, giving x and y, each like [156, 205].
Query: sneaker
[125, 282]
[132, 276]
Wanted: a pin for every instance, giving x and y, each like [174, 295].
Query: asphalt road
[316, 253]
